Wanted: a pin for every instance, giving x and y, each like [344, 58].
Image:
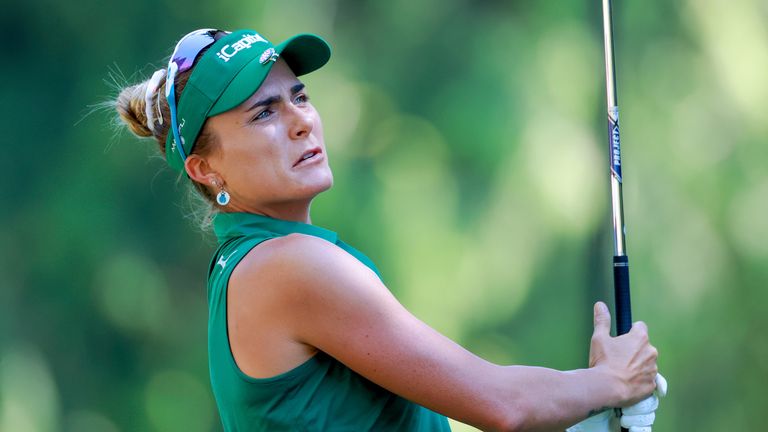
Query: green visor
[229, 72]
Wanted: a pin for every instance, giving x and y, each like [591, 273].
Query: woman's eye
[262, 115]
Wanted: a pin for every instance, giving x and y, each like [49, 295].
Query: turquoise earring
[222, 198]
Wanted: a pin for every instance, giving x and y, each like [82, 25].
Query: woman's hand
[630, 359]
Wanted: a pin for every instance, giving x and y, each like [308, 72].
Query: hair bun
[131, 106]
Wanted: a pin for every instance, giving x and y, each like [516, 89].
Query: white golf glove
[637, 418]
[597, 423]
[640, 416]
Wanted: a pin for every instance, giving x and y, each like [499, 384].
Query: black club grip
[621, 294]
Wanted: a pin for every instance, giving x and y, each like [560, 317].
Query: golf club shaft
[620, 260]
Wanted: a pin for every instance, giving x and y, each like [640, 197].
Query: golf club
[620, 259]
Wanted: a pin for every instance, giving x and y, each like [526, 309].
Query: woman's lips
[309, 156]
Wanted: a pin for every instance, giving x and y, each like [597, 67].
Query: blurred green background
[467, 140]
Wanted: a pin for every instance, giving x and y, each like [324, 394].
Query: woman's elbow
[512, 423]
[516, 419]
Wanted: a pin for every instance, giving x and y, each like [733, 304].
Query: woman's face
[271, 152]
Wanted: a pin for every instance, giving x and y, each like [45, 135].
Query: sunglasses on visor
[182, 59]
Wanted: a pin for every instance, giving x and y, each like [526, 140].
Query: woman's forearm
[542, 399]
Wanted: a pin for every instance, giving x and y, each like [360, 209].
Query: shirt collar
[231, 225]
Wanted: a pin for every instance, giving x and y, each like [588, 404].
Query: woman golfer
[302, 333]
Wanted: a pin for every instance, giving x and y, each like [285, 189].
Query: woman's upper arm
[331, 301]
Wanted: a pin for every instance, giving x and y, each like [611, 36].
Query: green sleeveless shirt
[319, 395]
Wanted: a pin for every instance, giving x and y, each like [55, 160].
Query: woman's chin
[323, 186]
[321, 181]
[317, 185]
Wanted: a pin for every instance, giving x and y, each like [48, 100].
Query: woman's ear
[199, 170]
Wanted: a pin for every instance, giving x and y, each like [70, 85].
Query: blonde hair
[131, 106]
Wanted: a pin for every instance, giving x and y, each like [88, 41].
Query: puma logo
[223, 261]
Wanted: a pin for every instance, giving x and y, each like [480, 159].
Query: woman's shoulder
[293, 282]
[294, 263]
[295, 250]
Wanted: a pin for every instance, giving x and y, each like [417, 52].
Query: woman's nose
[301, 122]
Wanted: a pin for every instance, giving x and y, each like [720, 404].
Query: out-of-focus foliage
[467, 140]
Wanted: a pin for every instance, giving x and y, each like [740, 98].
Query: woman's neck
[290, 211]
